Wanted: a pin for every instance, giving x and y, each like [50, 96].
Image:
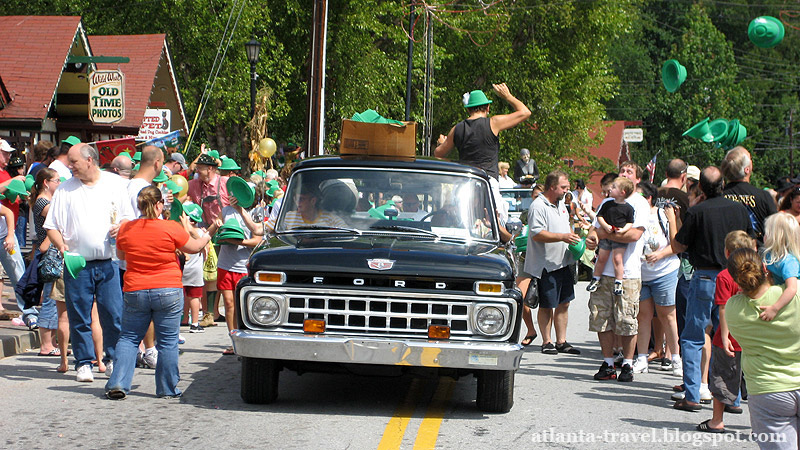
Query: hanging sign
[155, 124]
[106, 99]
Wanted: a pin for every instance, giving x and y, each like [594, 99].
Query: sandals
[549, 349]
[703, 426]
[566, 347]
[730, 409]
[53, 352]
[684, 405]
[228, 351]
[529, 339]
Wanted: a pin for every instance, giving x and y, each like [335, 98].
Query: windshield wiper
[405, 228]
[324, 227]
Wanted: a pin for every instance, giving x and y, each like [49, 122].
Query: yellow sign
[106, 96]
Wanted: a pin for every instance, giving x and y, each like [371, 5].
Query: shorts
[608, 244]
[556, 287]
[609, 312]
[773, 418]
[661, 290]
[725, 375]
[193, 291]
[226, 281]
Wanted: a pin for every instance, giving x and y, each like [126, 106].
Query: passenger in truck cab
[306, 212]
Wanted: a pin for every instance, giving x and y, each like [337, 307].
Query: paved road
[557, 405]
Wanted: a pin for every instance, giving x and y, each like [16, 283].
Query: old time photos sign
[106, 99]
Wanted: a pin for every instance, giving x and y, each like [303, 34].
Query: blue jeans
[15, 268]
[698, 315]
[164, 307]
[681, 294]
[99, 281]
[21, 229]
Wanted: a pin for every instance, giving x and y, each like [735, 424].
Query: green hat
[62, 179]
[194, 211]
[127, 155]
[160, 178]
[475, 98]
[718, 129]
[673, 74]
[244, 193]
[14, 189]
[137, 156]
[173, 187]
[214, 154]
[29, 181]
[207, 160]
[2, 197]
[260, 173]
[700, 131]
[231, 225]
[74, 263]
[765, 31]
[176, 211]
[231, 229]
[137, 167]
[72, 140]
[229, 164]
[577, 249]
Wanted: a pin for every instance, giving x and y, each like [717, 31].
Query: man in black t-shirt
[737, 167]
[672, 192]
[702, 236]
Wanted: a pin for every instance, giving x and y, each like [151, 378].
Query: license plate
[476, 359]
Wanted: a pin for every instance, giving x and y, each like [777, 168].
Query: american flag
[651, 167]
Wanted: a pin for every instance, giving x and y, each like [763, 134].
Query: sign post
[106, 96]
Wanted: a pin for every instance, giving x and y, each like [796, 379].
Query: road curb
[16, 340]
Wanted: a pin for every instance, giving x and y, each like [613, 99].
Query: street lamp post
[252, 48]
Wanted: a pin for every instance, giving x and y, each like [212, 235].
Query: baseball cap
[179, 158]
[6, 147]
[693, 173]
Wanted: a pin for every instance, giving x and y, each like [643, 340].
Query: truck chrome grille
[352, 312]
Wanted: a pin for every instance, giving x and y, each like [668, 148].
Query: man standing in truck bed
[476, 137]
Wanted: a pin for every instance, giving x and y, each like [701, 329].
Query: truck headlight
[265, 310]
[491, 320]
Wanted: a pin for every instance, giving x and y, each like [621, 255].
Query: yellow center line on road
[396, 428]
[429, 429]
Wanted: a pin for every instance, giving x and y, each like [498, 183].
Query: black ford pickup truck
[381, 265]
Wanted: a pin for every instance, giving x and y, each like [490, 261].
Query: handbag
[51, 267]
[210, 266]
[531, 299]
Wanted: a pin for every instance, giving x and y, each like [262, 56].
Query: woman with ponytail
[770, 351]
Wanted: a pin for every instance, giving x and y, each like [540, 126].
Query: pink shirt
[212, 206]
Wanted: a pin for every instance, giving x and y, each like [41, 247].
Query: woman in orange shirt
[153, 291]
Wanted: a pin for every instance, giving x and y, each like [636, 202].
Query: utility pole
[316, 85]
[791, 143]
[410, 62]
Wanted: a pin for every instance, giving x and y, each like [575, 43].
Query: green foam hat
[161, 178]
[175, 211]
[72, 140]
[475, 98]
[173, 187]
[700, 131]
[126, 154]
[232, 225]
[74, 263]
[673, 74]
[718, 129]
[62, 179]
[137, 167]
[137, 156]
[14, 189]
[765, 31]
[214, 154]
[29, 181]
[229, 164]
[244, 193]
[577, 249]
[194, 211]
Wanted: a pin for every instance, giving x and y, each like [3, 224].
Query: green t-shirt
[770, 350]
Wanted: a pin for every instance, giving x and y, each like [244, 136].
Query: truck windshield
[427, 203]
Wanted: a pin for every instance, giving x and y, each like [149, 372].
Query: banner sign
[106, 96]
[170, 142]
[112, 148]
[155, 124]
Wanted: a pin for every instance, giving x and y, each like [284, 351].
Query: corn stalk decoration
[260, 155]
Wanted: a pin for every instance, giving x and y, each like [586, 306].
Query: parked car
[518, 199]
[386, 287]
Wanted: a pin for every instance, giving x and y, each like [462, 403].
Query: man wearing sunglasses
[209, 189]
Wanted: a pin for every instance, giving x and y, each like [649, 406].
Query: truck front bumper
[363, 350]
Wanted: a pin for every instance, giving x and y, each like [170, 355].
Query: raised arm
[505, 121]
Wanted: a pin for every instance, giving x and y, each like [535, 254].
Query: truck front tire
[259, 380]
[495, 390]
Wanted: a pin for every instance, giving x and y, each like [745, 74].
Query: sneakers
[677, 368]
[181, 339]
[705, 395]
[109, 368]
[150, 359]
[665, 364]
[626, 374]
[618, 287]
[593, 285]
[85, 374]
[640, 366]
[32, 323]
[606, 372]
[196, 329]
[140, 359]
[116, 394]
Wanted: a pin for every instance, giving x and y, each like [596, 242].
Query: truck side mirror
[514, 226]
